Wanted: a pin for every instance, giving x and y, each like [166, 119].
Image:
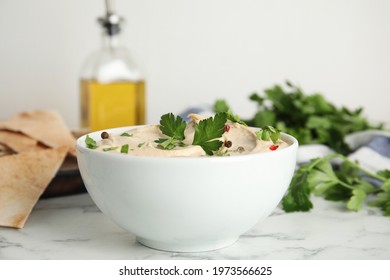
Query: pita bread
[24, 177]
[5, 150]
[45, 126]
[16, 141]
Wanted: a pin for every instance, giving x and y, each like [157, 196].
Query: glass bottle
[112, 90]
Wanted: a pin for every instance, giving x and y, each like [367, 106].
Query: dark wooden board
[67, 181]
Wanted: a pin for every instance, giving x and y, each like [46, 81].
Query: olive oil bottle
[112, 90]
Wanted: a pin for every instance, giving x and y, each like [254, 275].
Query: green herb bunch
[346, 182]
[309, 118]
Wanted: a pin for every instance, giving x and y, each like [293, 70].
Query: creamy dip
[238, 140]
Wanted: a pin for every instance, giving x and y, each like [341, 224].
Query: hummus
[238, 140]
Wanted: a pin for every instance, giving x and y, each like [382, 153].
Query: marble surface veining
[73, 227]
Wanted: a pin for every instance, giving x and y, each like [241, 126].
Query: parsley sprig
[268, 133]
[91, 144]
[221, 106]
[173, 127]
[207, 130]
[348, 183]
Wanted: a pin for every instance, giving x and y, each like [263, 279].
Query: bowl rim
[80, 146]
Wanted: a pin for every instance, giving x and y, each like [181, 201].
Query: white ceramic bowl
[186, 204]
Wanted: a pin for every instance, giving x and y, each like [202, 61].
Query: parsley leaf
[383, 197]
[173, 127]
[221, 153]
[322, 177]
[268, 133]
[357, 199]
[141, 144]
[125, 149]
[234, 118]
[126, 134]
[91, 144]
[298, 195]
[383, 202]
[207, 130]
[110, 149]
[169, 144]
[221, 106]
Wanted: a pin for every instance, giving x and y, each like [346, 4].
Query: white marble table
[73, 228]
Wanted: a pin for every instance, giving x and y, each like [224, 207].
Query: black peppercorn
[228, 144]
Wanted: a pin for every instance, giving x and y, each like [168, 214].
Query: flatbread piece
[18, 142]
[45, 126]
[24, 177]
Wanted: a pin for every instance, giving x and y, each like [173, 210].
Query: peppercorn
[273, 147]
[227, 128]
[105, 135]
[228, 144]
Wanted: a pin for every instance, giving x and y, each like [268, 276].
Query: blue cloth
[381, 145]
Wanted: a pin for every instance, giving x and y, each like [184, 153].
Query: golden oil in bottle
[107, 105]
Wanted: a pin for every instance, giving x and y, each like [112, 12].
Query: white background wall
[195, 51]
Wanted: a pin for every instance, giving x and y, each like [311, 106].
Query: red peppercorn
[273, 147]
[227, 128]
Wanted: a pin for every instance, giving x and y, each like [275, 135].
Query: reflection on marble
[73, 228]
